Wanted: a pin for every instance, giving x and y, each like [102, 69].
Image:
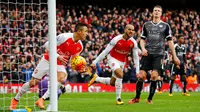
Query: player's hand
[93, 66]
[63, 59]
[177, 66]
[83, 70]
[176, 60]
[144, 52]
[137, 75]
[164, 62]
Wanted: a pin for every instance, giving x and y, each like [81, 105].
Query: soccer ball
[78, 63]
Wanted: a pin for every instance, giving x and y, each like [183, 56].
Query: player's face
[181, 40]
[157, 12]
[129, 31]
[83, 33]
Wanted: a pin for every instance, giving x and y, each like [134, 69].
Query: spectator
[23, 38]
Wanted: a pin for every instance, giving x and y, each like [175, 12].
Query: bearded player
[116, 52]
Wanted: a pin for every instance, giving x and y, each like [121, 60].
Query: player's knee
[62, 80]
[154, 75]
[62, 77]
[119, 73]
[33, 82]
[142, 75]
[112, 81]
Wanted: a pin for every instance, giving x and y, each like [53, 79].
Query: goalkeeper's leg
[62, 76]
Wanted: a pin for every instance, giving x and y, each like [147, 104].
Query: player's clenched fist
[63, 59]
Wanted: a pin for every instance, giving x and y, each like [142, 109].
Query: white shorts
[42, 69]
[115, 64]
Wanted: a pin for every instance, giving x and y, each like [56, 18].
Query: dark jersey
[155, 35]
[180, 52]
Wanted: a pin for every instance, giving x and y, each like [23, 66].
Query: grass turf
[105, 102]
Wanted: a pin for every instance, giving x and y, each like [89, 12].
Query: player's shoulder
[147, 23]
[118, 37]
[164, 23]
[133, 40]
[66, 35]
[176, 45]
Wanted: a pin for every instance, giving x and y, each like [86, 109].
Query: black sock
[184, 86]
[171, 86]
[139, 86]
[152, 89]
[159, 82]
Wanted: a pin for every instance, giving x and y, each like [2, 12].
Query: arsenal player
[116, 52]
[68, 45]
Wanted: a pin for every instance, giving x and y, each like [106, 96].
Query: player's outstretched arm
[104, 53]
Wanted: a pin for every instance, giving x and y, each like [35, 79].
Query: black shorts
[151, 62]
[176, 71]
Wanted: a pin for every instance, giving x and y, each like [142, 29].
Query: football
[78, 63]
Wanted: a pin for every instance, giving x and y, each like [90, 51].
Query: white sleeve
[105, 52]
[60, 39]
[136, 57]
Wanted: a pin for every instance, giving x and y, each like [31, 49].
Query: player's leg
[156, 63]
[117, 76]
[37, 75]
[96, 78]
[25, 87]
[61, 77]
[91, 72]
[183, 79]
[145, 66]
[172, 78]
[116, 81]
[43, 86]
[153, 84]
[139, 86]
[160, 81]
[61, 80]
[171, 83]
[104, 80]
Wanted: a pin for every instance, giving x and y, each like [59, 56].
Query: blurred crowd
[24, 30]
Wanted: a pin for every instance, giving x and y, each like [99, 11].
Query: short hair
[179, 36]
[80, 26]
[158, 6]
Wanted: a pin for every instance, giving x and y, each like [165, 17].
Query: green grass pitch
[105, 102]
